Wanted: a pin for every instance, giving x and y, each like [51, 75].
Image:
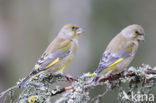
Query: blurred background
[28, 26]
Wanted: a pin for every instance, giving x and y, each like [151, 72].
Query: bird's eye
[138, 33]
[73, 28]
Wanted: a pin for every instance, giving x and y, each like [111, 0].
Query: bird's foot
[69, 77]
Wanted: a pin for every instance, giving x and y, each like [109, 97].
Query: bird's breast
[74, 46]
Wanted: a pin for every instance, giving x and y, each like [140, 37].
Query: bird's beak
[79, 31]
[140, 38]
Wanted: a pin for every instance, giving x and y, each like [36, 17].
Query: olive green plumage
[120, 51]
[59, 53]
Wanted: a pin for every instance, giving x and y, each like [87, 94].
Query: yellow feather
[101, 77]
[52, 63]
[67, 45]
[113, 66]
[62, 68]
[92, 75]
[65, 64]
[31, 77]
[36, 66]
[77, 35]
[131, 47]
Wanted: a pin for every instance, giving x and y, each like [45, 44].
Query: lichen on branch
[42, 88]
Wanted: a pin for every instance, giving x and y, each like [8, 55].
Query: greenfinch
[119, 52]
[58, 54]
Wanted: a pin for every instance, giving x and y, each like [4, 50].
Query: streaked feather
[110, 59]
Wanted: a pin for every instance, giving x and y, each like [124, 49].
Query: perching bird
[58, 54]
[120, 52]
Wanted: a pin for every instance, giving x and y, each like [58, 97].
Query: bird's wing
[49, 59]
[109, 60]
[56, 51]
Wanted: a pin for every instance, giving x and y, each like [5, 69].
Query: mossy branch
[42, 88]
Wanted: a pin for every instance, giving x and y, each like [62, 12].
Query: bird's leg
[144, 81]
[69, 77]
[110, 76]
[122, 73]
[51, 74]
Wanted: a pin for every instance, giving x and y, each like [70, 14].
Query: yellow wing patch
[65, 64]
[113, 66]
[31, 77]
[36, 67]
[92, 75]
[52, 63]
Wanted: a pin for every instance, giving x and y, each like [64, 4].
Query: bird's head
[71, 31]
[134, 33]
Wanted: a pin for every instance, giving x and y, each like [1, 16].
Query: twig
[100, 96]
[113, 77]
[61, 90]
[150, 71]
[81, 80]
[120, 75]
[6, 91]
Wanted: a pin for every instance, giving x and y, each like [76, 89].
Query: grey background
[28, 26]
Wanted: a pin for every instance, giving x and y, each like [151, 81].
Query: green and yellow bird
[58, 54]
[120, 52]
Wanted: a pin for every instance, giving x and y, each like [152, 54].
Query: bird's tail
[95, 79]
[21, 84]
[98, 77]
